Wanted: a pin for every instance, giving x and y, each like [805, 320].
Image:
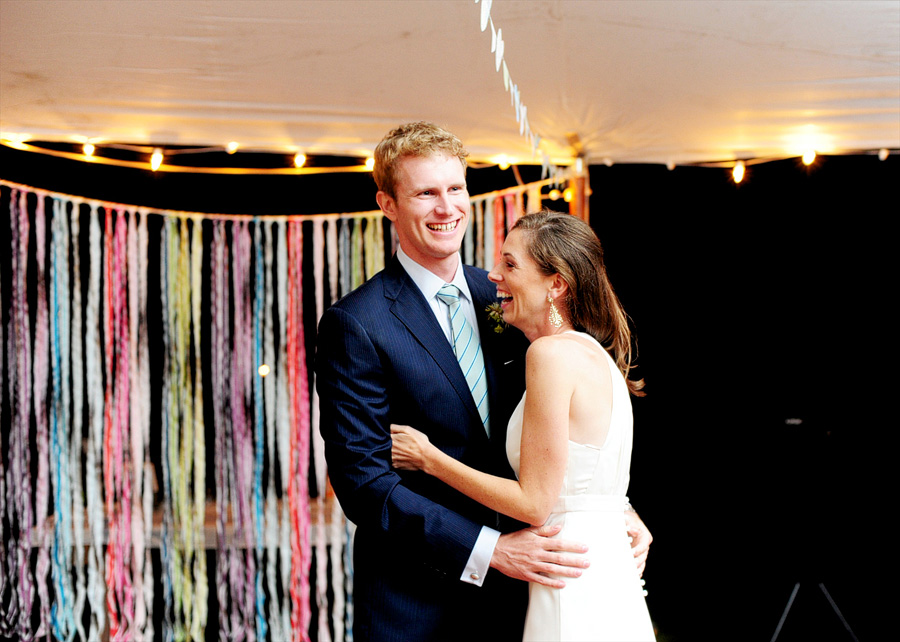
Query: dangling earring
[555, 317]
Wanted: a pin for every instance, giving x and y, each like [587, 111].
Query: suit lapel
[412, 310]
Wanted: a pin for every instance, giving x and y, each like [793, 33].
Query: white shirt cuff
[480, 559]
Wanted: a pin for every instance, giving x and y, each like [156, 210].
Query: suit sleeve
[352, 380]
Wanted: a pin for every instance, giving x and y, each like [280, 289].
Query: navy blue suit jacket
[382, 358]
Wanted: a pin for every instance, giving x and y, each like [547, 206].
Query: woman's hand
[410, 448]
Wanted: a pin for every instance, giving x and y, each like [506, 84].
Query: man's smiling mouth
[443, 227]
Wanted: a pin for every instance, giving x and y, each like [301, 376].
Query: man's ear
[387, 204]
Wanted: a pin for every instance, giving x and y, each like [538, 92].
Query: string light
[264, 370]
[568, 194]
[738, 172]
[554, 194]
[87, 151]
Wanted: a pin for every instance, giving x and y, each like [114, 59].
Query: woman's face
[521, 287]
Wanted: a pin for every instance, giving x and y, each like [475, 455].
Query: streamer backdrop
[126, 398]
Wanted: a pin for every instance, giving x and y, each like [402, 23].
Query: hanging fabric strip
[489, 233]
[19, 482]
[170, 567]
[331, 243]
[8, 604]
[318, 449]
[298, 488]
[468, 244]
[120, 537]
[220, 376]
[337, 516]
[379, 242]
[269, 384]
[93, 458]
[198, 570]
[357, 268]
[108, 460]
[184, 450]
[513, 208]
[499, 228]
[79, 508]
[144, 385]
[368, 244]
[282, 404]
[344, 258]
[259, 317]
[62, 610]
[529, 200]
[242, 573]
[479, 236]
[40, 372]
[136, 412]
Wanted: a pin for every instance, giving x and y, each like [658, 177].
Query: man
[422, 551]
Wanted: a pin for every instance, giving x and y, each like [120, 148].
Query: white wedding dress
[607, 602]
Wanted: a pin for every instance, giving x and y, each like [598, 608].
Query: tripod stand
[828, 597]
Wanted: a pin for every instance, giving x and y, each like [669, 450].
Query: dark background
[765, 334]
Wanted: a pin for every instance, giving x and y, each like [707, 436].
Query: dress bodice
[591, 469]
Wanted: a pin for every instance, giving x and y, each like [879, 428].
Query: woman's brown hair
[565, 245]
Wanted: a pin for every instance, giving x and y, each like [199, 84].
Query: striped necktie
[468, 351]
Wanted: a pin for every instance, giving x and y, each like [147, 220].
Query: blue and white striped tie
[468, 351]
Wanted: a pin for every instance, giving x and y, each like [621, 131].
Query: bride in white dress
[569, 440]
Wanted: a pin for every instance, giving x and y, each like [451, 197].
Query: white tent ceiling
[666, 81]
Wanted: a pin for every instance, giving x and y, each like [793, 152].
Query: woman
[570, 438]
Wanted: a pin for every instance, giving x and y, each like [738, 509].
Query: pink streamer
[298, 495]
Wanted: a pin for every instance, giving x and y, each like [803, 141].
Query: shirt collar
[428, 282]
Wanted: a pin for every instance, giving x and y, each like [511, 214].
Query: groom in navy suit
[422, 551]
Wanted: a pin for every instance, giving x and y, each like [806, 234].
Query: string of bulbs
[154, 158]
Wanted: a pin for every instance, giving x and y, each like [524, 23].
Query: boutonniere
[495, 316]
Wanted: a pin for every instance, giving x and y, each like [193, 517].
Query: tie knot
[449, 294]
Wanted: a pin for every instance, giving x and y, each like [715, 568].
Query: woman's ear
[558, 287]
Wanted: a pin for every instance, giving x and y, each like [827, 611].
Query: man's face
[430, 210]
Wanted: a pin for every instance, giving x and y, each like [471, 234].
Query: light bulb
[370, 163]
[502, 162]
[299, 159]
[156, 159]
[264, 370]
[568, 195]
[88, 150]
[554, 194]
[809, 156]
[231, 147]
[738, 172]
[883, 153]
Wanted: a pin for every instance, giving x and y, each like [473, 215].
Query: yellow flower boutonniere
[495, 314]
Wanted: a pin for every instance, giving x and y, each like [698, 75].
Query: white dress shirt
[429, 283]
